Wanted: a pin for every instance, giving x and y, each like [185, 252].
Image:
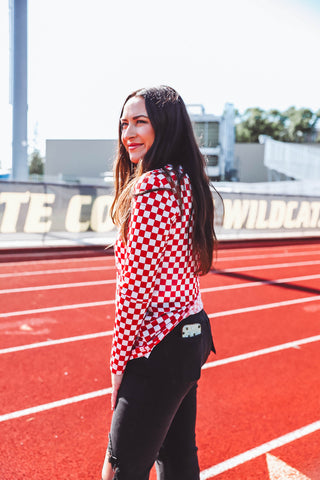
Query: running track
[259, 397]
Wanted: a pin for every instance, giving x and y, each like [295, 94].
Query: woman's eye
[141, 121]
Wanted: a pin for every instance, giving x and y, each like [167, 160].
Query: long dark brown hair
[174, 144]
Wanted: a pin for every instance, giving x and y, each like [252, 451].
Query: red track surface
[245, 402]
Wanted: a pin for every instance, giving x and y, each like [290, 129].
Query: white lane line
[296, 248]
[260, 450]
[49, 343]
[110, 302]
[203, 290]
[259, 283]
[68, 401]
[110, 257]
[58, 403]
[32, 273]
[267, 255]
[57, 308]
[101, 268]
[57, 286]
[263, 351]
[51, 261]
[264, 306]
[270, 266]
[216, 363]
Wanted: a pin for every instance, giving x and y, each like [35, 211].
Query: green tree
[254, 122]
[278, 124]
[301, 124]
[36, 165]
[292, 125]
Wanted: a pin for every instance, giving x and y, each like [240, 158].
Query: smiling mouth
[133, 146]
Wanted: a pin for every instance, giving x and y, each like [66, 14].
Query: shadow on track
[266, 281]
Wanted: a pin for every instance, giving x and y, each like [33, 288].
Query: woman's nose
[129, 131]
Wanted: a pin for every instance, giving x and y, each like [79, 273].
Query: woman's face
[137, 133]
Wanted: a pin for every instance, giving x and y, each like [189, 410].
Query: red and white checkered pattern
[156, 282]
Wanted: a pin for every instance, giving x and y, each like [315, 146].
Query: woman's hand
[116, 382]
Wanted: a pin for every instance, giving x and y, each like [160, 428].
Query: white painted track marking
[270, 266]
[260, 450]
[57, 308]
[80, 259]
[267, 255]
[280, 470]
[203, 290]
[259, 283]
[263, 351]
[265, 306]
[216, 363]
[104, 267]
[223, 466]
[205, 474]
[51, 405]
[257, 250]
[59, 341]
[57, 286]
[212, 315]
[57, 271]
[225, 361]
[239, 255]
[110, 257]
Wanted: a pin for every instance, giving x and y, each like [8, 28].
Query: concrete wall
[79, 158]
[249, 162]
[249, 158]
[90, 158]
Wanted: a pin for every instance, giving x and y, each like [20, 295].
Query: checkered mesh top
[157, 286]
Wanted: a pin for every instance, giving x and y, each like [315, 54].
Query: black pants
[155, 415]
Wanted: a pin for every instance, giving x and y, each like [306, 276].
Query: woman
[164, 210]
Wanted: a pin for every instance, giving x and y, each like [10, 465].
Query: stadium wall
[44, 214]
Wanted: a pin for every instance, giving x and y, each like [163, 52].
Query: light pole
[19, 79]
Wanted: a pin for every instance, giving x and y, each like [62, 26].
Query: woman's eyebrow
[136, 116]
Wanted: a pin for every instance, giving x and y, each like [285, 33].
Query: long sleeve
[154, 212]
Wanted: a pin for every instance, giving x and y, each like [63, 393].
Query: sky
[86, 56]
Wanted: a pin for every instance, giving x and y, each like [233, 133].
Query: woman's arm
[115, 382]
[153, 214]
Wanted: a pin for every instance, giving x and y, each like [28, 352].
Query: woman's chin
[134, 160]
